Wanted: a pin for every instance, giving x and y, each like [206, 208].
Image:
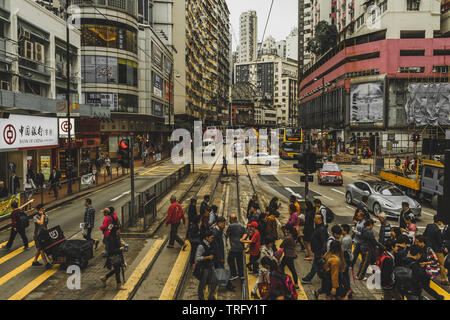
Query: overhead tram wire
[267, 21]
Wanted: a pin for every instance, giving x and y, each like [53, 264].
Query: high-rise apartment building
[248, 35]
[202, 56]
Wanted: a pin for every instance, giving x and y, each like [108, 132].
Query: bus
[290, 142]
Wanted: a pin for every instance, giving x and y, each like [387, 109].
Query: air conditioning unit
[5, 85]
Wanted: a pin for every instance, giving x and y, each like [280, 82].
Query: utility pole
[69, 155]
[132, 213]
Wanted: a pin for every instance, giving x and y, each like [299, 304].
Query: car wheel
[246, 162]
[348, 198]
[434, 202]
[268, 163]
[376, 209]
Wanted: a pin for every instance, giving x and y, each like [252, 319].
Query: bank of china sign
[20, 132]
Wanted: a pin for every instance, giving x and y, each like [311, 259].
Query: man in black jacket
[364, 206]
[253, 203]
[406, 211]
[435, 240]
[386, 263]
[53, 181]
[40, 179]
[318, 247]
[204, 257]
[204, 206]
[368, 246]
[420, 279]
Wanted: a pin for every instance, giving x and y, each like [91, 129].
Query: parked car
[261, 158]
[383, 197]
[330, 173]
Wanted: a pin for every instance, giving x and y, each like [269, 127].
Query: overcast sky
[282, 19]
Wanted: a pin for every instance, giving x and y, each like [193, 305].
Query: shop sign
[63, 126]
[157, 85]
[21, 131]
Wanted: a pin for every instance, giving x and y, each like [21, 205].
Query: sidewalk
[47, 196]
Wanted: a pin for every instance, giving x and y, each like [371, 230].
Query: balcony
[34, 66]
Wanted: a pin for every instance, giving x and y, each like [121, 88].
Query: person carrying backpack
[281, 285]
[19, 222]
[368, 246]
[328, 215]
[386, 263]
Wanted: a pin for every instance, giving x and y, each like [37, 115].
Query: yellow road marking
[439, 290]
[16, 271]
[22, 293]
[139, 271]
[168, 291]
[15, 253]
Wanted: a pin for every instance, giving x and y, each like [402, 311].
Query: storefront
[27, 144]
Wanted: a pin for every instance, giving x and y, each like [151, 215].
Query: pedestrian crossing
[161, 170]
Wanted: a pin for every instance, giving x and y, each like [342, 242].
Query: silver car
[383, 197]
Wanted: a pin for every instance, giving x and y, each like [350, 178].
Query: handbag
[115, 260]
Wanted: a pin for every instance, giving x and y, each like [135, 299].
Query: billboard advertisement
[157, 109]
[104, 100]
[157, 56]
[157, 85]
[367, 103]
[428, 104]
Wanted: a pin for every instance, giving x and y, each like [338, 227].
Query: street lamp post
[69, 155]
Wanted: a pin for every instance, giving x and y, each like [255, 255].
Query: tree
[325, 37]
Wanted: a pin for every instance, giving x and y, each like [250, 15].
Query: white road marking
[353, 209]
[338, 191]
[292, 192]
[292, 181]
[428, 214]
[321, 195]
[116, 198]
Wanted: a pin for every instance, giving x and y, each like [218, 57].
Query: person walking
[204, 206]
[434, 238]
[293, 221]
[321, 209]
[108, 165]
[263, 273]
[40, 220]
[368, 246]
[253, 203]
[193, 236]
[18, 226]
[234, 234]
[192, 210]
[385, 229]
[213, 216]
[218, 244]
[429, 259]
[347, 244]
[89, 218]
[336, 233]
[332, 283]
[386, 263]
[175, 215]
[40, 180]
[255, 246]
[29, 187]
[53, 181]
[318, 247]
[308, 229]
[114, 258]
[290, 255]
[357, 231]
[106, 226]
[364, 206]
[3, 190]
[224, 166]
[406, 211]
[205, 267]
[274, 206]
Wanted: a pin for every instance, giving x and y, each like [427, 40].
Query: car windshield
[330, 167]
[389, 191]
[291, 147]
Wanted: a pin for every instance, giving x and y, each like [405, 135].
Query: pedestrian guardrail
[145, 202]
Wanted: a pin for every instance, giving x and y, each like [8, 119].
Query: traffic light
[124, 153]
[416, 137]
[307, 162]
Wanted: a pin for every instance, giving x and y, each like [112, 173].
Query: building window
[117, 37]
[413, 5]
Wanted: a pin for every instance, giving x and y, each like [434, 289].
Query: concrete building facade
[248, 36]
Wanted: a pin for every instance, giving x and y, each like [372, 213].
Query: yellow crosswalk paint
[22, 293]
[16, 271]
[15, 253]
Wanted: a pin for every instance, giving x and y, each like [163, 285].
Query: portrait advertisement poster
[157, 85]
[428, 104]
[157, 56]
[167, 67]
[367, 103]
[45, 166]
[168, 92]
